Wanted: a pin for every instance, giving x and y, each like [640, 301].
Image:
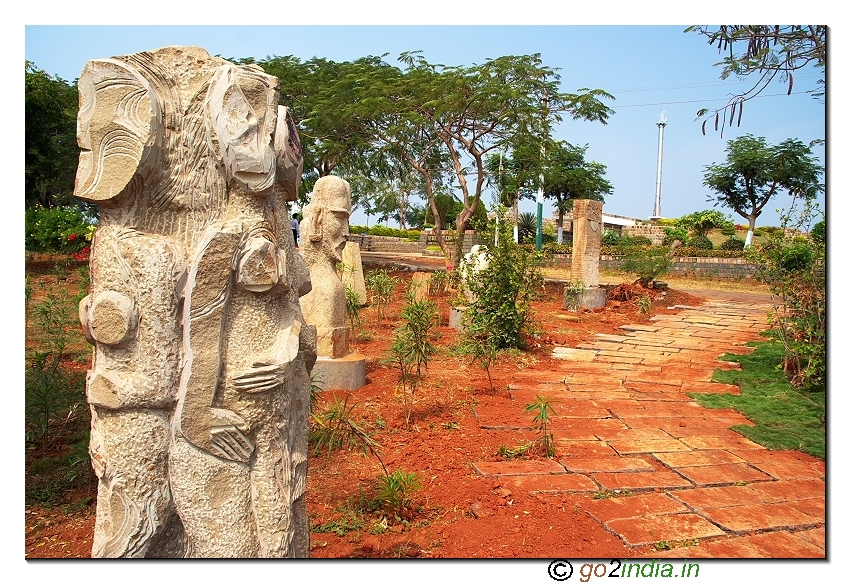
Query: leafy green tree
[702, 222]
[567, 175]
[320, 94]
[754, 172]
[770, 51]
[437, 116]
[51, 152]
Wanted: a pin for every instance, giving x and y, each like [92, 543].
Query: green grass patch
[785, 417]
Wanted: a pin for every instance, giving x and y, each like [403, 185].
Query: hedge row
[381, 231]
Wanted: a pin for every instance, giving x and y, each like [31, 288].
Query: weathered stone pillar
[587, 241]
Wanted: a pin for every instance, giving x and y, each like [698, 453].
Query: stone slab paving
[653, 466]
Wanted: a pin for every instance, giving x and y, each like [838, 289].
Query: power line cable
[704, 100]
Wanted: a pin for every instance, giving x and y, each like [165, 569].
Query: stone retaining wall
[654, 232]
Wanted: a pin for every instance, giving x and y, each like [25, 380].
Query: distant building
[614, 223]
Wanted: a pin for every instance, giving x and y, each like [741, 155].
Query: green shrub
[412, 346]
[552, 248]
[382, 231]
[700, 242]
[527, 226]
[504, 290]
[677, 234]
[797, 257]
[732, 244]
[382, 285]
[610, 238]
[542, 409]
[61, 229]
[394, 490]
[478, 221]
[762, 231]
[793, 269]
[648, 263]
[728, 231]
[819, 232]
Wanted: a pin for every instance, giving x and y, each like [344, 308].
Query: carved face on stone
[119, 127]
[243, 118]
[330, 209]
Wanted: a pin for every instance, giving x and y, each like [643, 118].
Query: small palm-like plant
[413, 347]
[541, 407]
[644, 303]
[527, 226]
[481, 346]
[352, 306]
[394, 490]
[334, 428]
[382, 285]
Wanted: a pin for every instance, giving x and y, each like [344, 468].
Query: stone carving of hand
[259, 379]
[229, 440]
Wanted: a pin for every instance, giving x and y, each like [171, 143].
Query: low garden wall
[716, 267]
[381, 244]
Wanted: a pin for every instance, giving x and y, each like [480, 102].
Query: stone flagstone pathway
[650, 464]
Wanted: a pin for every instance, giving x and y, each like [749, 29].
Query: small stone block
[573, 354]
[550, 483]
[723, 474]
[650, 529]
[706, 457]
[791, 490]
[518, 468]
[638, 328]
[614, 508]
[742, 519]
[641, 480]
[607, 465]
[721, 497]
[648, 446]
[347, 372]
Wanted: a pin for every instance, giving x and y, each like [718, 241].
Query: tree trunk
[751, 231]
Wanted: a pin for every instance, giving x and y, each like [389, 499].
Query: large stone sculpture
[199, 387]
[323, 238]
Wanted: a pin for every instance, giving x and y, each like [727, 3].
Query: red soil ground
[456, 513]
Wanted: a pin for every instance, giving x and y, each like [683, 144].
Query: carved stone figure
[323, 233]
[323, 241]
[587, 241]
[200, 384]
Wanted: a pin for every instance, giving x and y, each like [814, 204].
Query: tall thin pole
[656, 211]
[538, 239]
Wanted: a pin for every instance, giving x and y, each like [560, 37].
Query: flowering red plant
[82, 254]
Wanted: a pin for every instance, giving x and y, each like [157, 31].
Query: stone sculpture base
[347, 372]
[456, 317]
[590, 298]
